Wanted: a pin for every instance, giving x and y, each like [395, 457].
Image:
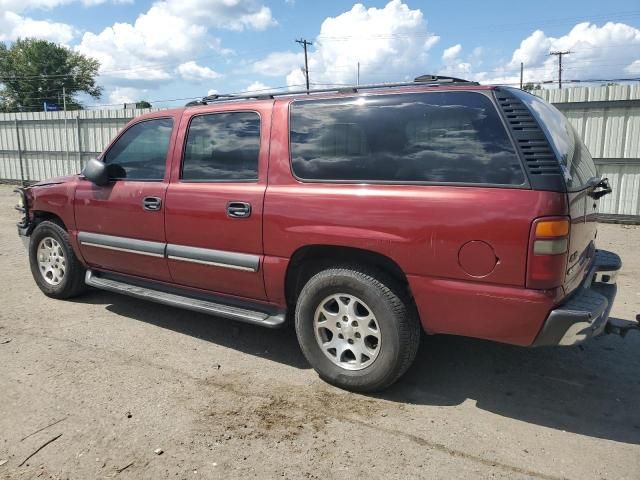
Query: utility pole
[64, 99]
[521, 75]
[304, 44]
[559, 54]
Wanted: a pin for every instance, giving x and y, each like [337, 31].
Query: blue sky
[178, 49]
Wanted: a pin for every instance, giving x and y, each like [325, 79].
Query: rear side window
[569, 148]
[141, 152]
[443, 137]
[222, 147]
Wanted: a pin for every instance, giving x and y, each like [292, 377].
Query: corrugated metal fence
[34, 146]
[39, 145]
[608, 118]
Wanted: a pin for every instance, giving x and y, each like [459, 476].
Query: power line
[270, 89]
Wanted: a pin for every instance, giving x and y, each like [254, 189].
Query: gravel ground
[123, 378]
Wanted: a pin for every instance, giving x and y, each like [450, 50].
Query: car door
[121, 225]
[214, 201]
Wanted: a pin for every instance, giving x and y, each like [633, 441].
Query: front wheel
[54, 265]
[357, 328]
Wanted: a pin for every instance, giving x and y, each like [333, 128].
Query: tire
[383, 344]
[54, 266]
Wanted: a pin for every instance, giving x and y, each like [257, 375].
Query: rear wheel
[357, 328]
[54, 265]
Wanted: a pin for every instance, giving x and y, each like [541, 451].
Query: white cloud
[194, 72]
[227, 14]
[13, 26]
[91, 3]
[126, 95]
[167, 34]
[212, 91]
[597, 52]
[17, 6]
[257, 87]
[278, 64]
[391, 43]
[634, 67]
[451, 53]
[453, 65]
[215, 44]
[22, 5]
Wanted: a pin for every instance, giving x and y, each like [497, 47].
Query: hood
[57, 180]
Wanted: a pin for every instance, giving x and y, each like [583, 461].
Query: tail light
[548, 251]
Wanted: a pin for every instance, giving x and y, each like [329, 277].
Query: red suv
[366, 214]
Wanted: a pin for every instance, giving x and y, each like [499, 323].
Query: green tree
[143, 104]
[36, 71]
[531, 86]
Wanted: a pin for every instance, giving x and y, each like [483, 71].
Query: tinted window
[426, 137]
[141, 152]
[571, 151]
[222, 147]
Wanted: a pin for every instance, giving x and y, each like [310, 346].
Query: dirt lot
[123, 378]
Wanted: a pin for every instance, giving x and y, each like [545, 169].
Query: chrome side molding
[122, 244]
[217, 258]
[205, 256]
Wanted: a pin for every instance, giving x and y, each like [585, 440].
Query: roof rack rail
[441, 79]
[423, 80]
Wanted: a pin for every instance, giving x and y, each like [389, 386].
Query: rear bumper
[585, 313]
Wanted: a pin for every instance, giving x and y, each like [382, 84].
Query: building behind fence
[39, 145]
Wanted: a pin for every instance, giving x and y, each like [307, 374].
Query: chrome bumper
[586, 312]
[23, 233]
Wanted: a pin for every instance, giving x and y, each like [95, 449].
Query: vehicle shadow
[590, 390]
[278, 345]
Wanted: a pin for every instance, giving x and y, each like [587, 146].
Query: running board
[185, 302]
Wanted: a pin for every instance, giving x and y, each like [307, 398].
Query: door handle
[238, 209]
[153, 204]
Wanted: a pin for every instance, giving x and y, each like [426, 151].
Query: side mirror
[95, 171]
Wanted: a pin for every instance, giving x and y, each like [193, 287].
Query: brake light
[548, 251]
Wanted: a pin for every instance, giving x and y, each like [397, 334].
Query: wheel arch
[40, 216]
[309, 259]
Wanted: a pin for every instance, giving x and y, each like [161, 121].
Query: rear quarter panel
[420, 227]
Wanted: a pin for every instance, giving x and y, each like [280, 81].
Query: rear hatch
[582, 184]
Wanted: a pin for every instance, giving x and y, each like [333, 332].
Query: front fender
[54, 198]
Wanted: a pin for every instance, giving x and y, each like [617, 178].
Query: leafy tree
[531, 86]
[35, 71]
[143, 104]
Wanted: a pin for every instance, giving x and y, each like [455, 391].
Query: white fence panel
[50, 144]
[608, 119]
[625, 182]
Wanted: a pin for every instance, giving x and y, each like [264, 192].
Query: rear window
[442, 137]
[569, 148]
